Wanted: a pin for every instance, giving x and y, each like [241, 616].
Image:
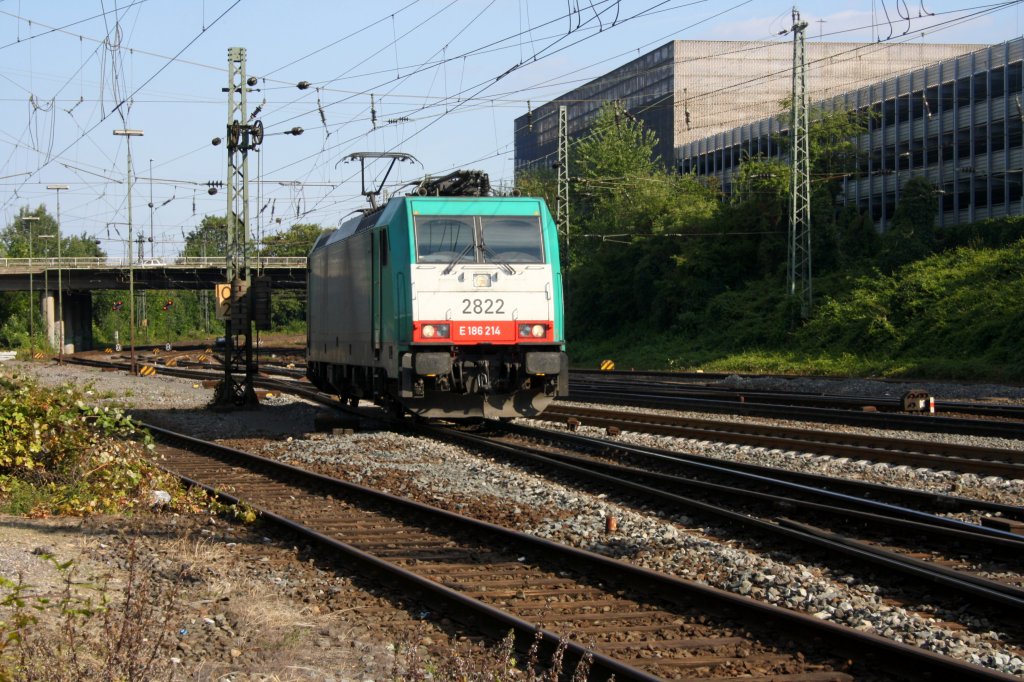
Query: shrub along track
[640, 624]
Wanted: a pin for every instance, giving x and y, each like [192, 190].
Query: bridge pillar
[77, 319]
[48, 303]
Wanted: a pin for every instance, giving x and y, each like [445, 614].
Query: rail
[180, 262]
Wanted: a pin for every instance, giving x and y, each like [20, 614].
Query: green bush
[59, 455]
[956, 314]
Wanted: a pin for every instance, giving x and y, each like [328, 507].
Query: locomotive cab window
[512, 240]
[492, 239]
[443, 239]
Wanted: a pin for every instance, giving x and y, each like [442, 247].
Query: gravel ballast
[450, 477]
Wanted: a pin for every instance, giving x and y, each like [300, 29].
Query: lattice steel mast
[242, 135]
[562, 202]
[799, 252]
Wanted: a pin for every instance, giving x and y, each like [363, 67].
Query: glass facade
[690, 90]
[959, 123]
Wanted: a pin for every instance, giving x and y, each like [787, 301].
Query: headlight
[440, 331]
[536, 331]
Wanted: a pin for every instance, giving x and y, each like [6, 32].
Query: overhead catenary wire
[145, 83]
[481, 86]
[820, 62]
[490, 99]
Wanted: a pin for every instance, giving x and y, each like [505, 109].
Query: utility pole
[799, 251]
[151, 242]
[129, 133]
[237, 387]
[562, 202]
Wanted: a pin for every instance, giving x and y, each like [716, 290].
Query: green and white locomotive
[443, 306]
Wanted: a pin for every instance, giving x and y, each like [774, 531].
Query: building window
[965, 194]
[963, 91]
[889, 112]
[1013, 72]
[947, 96]
[1016, 188]
[963, 144]
[998, 136]
[998, 191]
[980, 87]
[995, 82]
[1015, 124]
[980, 193]
[948, 146]
[931, 98]
[980, 140]
[948, 198]
[902, 108]
[916, 105]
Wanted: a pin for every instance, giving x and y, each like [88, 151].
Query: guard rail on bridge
[182, 262]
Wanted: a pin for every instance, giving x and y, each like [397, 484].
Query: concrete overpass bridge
[79, 277]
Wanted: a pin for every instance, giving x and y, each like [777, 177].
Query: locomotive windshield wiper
[509, 270]
[458, 259]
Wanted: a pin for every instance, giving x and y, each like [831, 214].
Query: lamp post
[31, 288]
[60, 284]
[129, 133]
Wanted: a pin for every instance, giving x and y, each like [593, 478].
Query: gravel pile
[450, 477]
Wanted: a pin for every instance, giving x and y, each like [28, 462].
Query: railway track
[963, 458]
[793, 508]
[636, 624]
[947, 575]
[670, 390]
[697, 385]
[745, 404]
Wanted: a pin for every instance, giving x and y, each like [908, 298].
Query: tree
[754, 223]
[540, 182]
[287, 309]
[295, 241]
[859, 240]
[632, 225]
[611, 166]
[14, 239]
[617, 146]
[209, 239]
[911, 234]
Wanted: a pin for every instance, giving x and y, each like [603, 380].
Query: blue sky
[447, 78]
